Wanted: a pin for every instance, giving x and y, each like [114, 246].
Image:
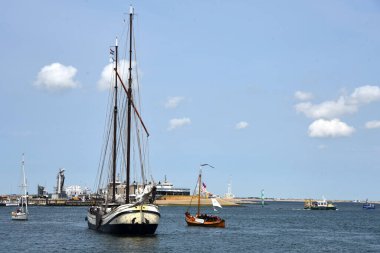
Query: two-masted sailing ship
[128, 208]
[203, 219]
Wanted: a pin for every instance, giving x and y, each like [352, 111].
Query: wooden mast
[114, 132]
[199, 191]
[129, 93]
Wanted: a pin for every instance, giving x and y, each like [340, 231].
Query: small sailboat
[128, 208]
[204, 220]
[21, 212]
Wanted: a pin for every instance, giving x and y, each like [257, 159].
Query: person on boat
[154, 192]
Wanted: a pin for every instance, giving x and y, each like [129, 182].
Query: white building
[76, 190]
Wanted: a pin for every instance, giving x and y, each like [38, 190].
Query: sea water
[276, 227]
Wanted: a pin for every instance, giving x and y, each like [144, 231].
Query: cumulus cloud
[301, 95]
[56, 77]
[327, 109]
[372, 124]
[330, 128]
[241, 125]
[173, 102]
[107, 77]
[343, 105]
[366, 94]
[179, 122]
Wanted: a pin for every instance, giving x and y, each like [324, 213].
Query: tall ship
[128, 208]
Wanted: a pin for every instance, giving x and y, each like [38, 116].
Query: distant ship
[9, 203]
[166, 188]
[368, 205]
[319, 205]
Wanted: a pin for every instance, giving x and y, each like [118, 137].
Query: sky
[276, 95]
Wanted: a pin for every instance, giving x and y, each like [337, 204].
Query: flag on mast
[204, 187]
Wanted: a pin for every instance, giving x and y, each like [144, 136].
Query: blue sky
[276, 95]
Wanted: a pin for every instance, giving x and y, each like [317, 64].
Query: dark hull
[127, 219]
[322, 208]
[126, 229]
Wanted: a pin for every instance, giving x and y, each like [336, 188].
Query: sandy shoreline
[185, 201]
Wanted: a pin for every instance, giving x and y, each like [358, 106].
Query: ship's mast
[199, 191]
[114, 131]
[199, 184]
[129, 93]
[24, 199]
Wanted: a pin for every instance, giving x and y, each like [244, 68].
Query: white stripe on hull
[125, 215]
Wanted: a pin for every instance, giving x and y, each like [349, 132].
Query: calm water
[278, 227]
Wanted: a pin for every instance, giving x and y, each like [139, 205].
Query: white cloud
[56, 77]
[366, 94]
[301, 95]
[330, 128]
[327, 109]
[241, 125]
[372, 124]
[179, 122]
[322, 146]
[343, 105]
[173, 102]
[107, 77]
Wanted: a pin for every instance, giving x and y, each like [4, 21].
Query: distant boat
[129, 209]
[10, 203]
[367, 205]
[21, 212]
[204, 220]
[167, 189]
[319, 205]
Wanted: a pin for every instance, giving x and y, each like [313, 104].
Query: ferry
[318, 205]
[166, 188]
